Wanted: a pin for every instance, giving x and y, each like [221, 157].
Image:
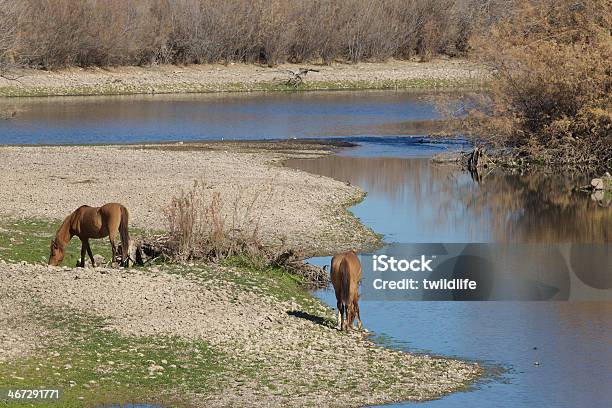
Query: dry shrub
[202, 227]
[58, 33]
[550, 98]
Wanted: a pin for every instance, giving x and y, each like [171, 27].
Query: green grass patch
[277, 282]
[94, 364]
[28, 240]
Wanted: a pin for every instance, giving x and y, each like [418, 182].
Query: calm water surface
[129, 119]
[409, 200]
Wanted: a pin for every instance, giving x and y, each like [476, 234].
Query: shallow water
[130, 119]
[556, 354]
[412, 200]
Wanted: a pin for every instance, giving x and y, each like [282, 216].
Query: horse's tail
[345, 285]
[125, 236]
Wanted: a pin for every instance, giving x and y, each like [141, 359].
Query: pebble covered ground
[295, 207]
[300, 357]
[279, 344]
[240, 77]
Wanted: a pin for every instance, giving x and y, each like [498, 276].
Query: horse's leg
[350, 315]
[339, 315]
[343, 324]
[113, 241]
[91, 257]
[83, 248]
[359, 323]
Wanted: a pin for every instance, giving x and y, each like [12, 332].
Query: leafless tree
[57, 33]
[8, 33]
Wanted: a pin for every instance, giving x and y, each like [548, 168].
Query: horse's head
[57, 254]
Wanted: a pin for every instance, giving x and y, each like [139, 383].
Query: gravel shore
[440, 73]
[295, 207]
[299, 357]
[279, 343]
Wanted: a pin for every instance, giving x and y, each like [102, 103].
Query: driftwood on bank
[294, 263]
[476, 162]
[296, 78]
[477, 159]
[159, 247]
[602, 183]
[144, 251]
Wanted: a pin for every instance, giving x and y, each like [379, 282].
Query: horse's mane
[67, 224]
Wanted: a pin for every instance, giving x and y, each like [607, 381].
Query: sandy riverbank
[268, 346]
[441, 73]
[190, 334]
[303, 210]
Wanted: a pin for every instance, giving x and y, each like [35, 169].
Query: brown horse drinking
[92, 222]
[345, 276]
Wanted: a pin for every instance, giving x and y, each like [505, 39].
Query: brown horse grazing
[346, 276]
[92, 222]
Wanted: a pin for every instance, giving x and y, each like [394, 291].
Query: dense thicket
[57, 33]
[551, 95]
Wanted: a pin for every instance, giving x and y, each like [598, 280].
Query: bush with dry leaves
[550, 99]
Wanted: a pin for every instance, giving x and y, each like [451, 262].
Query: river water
[162, 118]
[537, 353]
[552, 354]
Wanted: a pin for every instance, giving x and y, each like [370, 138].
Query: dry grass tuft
[215, 229]
[200, 227]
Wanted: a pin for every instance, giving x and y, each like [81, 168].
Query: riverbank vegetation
[549, 100]
[59, 33]
[217, 229]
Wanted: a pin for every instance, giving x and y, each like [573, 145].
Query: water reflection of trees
[536, 207]
[539, 207]
[396, 178]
